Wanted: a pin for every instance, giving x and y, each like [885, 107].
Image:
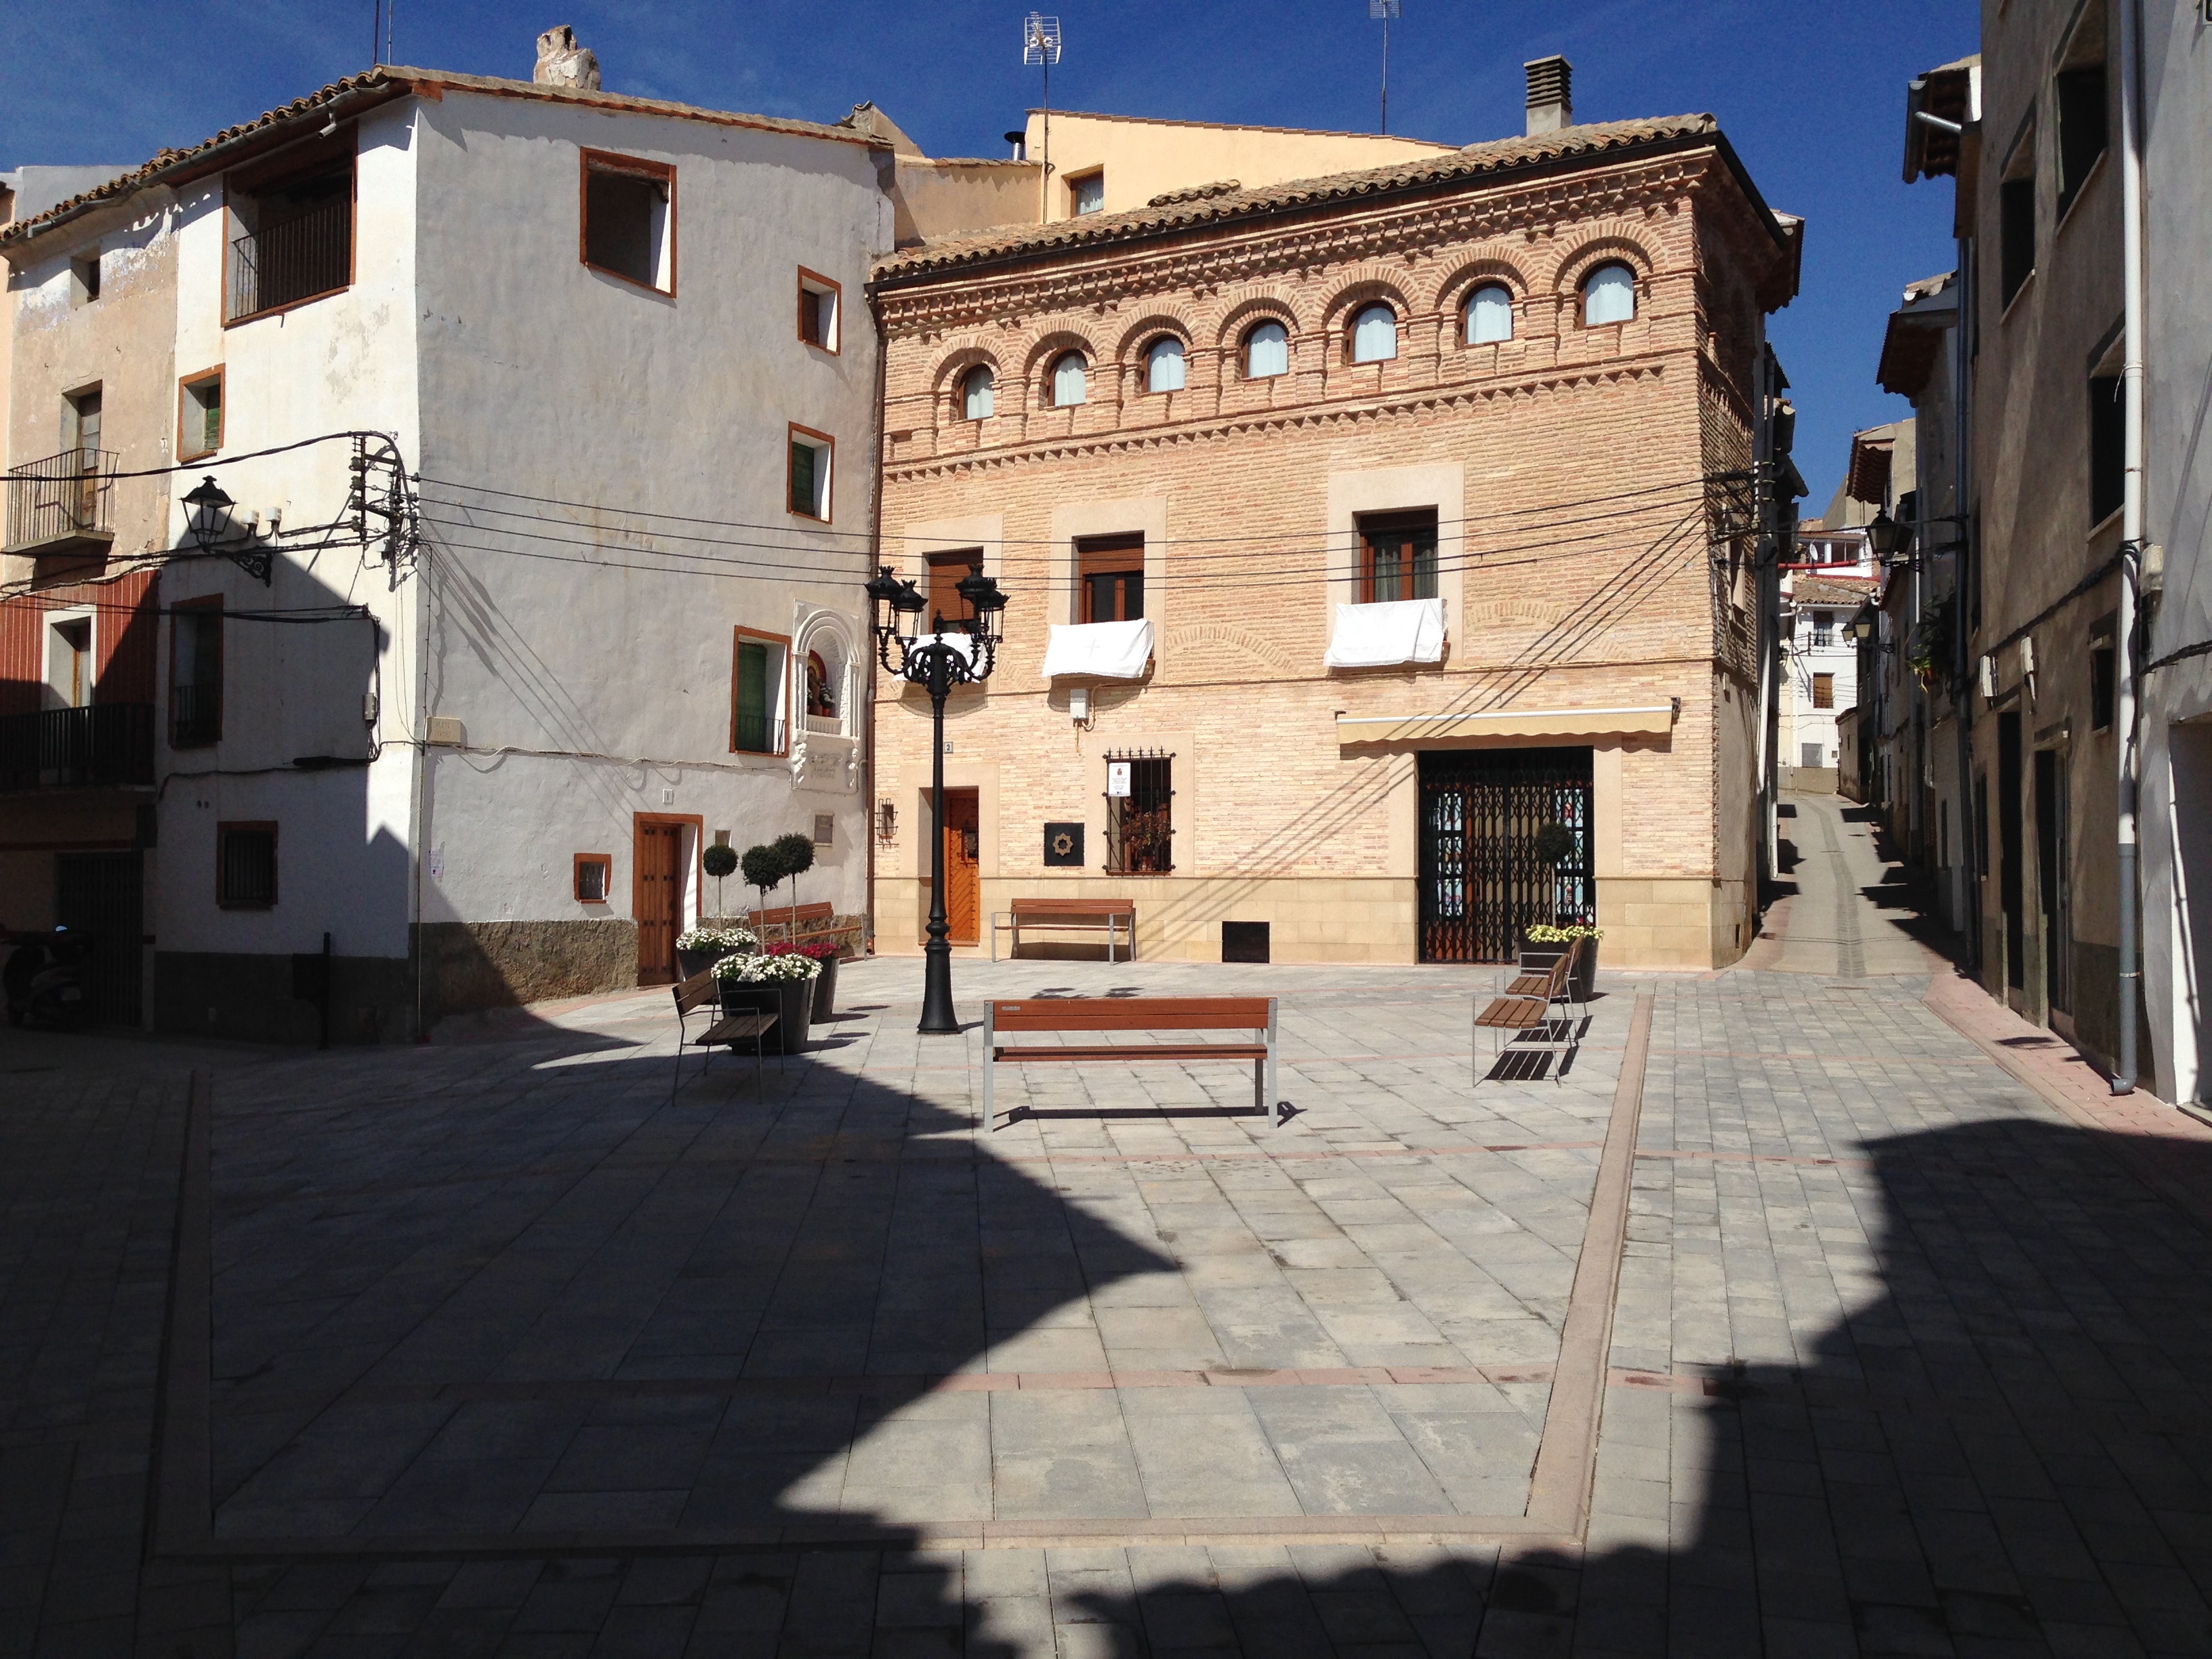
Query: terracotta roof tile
[1592, 141]
[395, 81]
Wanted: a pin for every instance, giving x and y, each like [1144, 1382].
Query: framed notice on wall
[1117, 777]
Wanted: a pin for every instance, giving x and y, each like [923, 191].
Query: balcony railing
[756, 734]
[108, 746]
[65, 502]
[292, 259]
[195, 715]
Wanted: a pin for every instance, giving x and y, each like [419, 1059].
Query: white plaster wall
[343, 362]
[2176, 768]
[574, 633]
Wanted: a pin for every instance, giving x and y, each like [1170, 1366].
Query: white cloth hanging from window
[1105, 651]
[1382, 635]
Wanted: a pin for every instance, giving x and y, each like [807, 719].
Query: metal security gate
[1481, 882]
[101, 895]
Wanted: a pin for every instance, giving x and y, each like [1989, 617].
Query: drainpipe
[2132, 524]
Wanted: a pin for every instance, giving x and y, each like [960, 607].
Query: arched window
[1070, 381]
[1266, 352]
[1375, 335]
[1608, 296]
[821, 694]
[1490, 314]
[979, 393]
[1164, 365]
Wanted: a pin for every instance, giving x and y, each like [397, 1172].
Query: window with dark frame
[2104, 667]
[811, 455]
[2108, 447]
[1109, 572]
[2079, 106]
[1140, 825]
[2016, 219]
[756, 724]
[629, 219]
[196, 674]
[291, 230]
[946, 572]
[199, 414]
[594, 876]
[818, 305]
[1397, 556]
[246, 866]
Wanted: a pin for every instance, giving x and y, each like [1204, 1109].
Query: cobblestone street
[1819, 1307]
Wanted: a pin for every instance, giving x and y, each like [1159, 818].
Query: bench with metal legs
[725, 1032]
[1525, 1005]
[1104, 1014]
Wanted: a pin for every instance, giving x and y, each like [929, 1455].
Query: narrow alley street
[1817, 1307]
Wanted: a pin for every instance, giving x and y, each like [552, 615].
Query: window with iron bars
[1140, 825]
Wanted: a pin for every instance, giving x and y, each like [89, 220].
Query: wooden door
[963, 887]
[659, 901]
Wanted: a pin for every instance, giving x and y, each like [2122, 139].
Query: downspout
[2131, 524]
[1966, 567]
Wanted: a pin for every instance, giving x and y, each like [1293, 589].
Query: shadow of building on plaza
[2006, 1409]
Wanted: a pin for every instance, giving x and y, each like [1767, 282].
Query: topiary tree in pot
[796, 853]
[719, 861]
[763, 870]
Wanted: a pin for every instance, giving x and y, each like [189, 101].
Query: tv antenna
[1385, 9]
[1040, 41]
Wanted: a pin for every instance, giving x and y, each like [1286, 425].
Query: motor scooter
[44, 979]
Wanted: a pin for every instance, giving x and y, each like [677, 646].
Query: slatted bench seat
[791, 923]
[1079, 915]
[1525, 1005]
[1053, 1015]
[725, 1032]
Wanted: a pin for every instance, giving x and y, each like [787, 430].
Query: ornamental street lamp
[961, 654]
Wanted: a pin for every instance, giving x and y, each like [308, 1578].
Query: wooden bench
[790, 924]
[725, 1032]
[1526, 1003]
[1080, 915]
[1061, 1014]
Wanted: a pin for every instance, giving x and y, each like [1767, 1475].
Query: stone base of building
[1649, 922]
[474, 965]
[247, 997]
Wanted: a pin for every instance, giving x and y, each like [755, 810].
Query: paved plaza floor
[1812, 1307]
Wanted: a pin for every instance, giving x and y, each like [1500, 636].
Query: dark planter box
[1536, 958]
[791, 1002]
[691, 963]
[825, 993]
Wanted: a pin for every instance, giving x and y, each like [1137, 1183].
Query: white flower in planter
[739, 941]
[766, 970]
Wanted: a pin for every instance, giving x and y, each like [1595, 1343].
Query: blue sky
[1811, 93]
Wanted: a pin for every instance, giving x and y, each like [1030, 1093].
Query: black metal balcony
[300, 256]
[108, 746]
[64, 504]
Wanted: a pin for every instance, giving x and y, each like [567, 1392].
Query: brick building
[1354, 528]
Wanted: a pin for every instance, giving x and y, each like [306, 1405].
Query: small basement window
[246, 866]
[811, 455]
[629, 219]
[818, 309]
[199, 414]
[594, 876]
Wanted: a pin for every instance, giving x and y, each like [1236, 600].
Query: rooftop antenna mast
[1040, 46]
[1385, 9]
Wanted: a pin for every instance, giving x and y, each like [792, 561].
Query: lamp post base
[939, 1017]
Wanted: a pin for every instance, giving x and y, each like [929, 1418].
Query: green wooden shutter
[802, 478]
[752, 698]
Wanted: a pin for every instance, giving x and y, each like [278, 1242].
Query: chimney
[1551, 98]
[563, 62]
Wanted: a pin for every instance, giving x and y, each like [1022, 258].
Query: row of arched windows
[1608, 296]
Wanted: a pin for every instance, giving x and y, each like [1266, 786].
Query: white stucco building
[1832, 578]
[542, 410]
